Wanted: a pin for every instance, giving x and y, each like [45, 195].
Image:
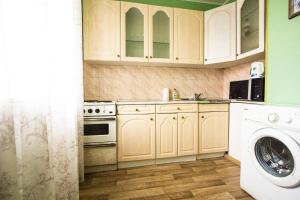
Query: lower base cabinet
[213, 132]
[166, 135]
[176, 135]
[136, 137]
[187, 134]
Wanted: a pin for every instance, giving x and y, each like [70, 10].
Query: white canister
[166, 94]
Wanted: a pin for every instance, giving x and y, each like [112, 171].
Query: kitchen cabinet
[250, 27]
[101, 30]
[161, 34]
[134, 32]
[176, 108]
[187, 134]
[213, 130]
[166, 135]
[176, 130]
[136, 137]
[188, 36]
[135, 109]
[220, 34]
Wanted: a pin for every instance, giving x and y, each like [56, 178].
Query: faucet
[197, 97]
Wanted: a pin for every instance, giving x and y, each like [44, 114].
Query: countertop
[247, 102]
[154, 102]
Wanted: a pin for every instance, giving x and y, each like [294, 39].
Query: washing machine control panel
[286, 118]
[273, 117]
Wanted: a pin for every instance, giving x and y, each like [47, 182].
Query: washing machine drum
[276, 156]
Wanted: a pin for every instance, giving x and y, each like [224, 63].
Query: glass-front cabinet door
[160, 34]
[250, 27]
[134, 32]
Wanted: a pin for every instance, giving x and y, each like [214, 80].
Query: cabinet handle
[178, 108]
[146, 56]
[205, 59]
[182, 117]
[136, 109]
[177, 58]
[151, 57]
[202, 117]
[174, 118]
[151, 119]
[118, 56]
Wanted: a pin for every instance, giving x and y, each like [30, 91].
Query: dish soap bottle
[175, 95]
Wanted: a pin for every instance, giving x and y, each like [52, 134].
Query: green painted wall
[178, 4]
[283, 55]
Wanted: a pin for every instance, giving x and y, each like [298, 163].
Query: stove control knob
[110, 112]
[97, 110]
[288, 120]
[273, 118]
[90, 110]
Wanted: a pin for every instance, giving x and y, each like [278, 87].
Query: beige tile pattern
[110, 82]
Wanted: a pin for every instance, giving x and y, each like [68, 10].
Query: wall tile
[105, 82]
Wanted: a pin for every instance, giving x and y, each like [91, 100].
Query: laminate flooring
[210, 179]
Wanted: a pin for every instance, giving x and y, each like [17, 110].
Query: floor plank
[210, 179]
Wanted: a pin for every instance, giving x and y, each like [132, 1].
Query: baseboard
[210, 155]
[235, 161]
[176, 159]
[130, 164]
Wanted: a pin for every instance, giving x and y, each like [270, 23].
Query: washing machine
[270, 159]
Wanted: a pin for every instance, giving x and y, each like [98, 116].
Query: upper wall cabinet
[188, 36]
[220, 34]
[134, 32]
[160, 34]
[101, 28]
[250, 27]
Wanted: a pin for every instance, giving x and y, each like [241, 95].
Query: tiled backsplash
[104, 82]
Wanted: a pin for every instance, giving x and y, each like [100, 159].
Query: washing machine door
[276, 156]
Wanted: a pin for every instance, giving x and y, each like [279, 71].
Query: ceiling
[188, 4]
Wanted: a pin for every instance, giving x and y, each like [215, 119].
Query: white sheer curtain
[41, 95]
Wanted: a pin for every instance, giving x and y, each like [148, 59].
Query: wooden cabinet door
[134, 32]
[220, 34]
[161, 34]
[213, 132]
[188, 36]
[136, 137]
[101, 30]
[187, 134]
[250, 27]
[166, 135]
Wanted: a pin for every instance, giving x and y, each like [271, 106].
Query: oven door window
[96, 129]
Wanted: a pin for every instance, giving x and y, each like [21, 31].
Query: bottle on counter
[175, 95]
[166, 94]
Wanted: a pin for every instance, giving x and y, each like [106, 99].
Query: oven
[100, 131]
[100, 144]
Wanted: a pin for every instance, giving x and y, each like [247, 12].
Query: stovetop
[95, 108]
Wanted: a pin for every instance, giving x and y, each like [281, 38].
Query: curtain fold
[41, 96]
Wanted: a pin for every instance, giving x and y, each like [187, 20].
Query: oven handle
[101, 119]
[93, 145]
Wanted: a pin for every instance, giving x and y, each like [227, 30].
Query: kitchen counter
[247, 102]
[154, 102]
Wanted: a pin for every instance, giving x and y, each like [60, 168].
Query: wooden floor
[213, 179]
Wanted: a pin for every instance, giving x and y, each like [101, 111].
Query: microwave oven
[250, 90]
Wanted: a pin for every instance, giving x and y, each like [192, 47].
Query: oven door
[100, 130]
